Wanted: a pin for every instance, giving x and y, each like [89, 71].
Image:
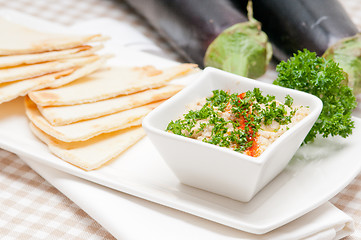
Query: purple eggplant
[297, 24]
[321, 26]
[191, 27]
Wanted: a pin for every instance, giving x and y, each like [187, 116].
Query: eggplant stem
[250, 11]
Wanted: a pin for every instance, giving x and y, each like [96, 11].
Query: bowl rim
[260, 160]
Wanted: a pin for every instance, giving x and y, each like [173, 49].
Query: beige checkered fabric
[30, 208]
[349, 201]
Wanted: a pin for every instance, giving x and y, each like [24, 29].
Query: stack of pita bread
[85, 112]
[31, 60]
[95, 118]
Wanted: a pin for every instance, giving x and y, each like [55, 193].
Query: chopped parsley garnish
[245, 112]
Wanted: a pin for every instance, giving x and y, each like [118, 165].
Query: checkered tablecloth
[30, 208]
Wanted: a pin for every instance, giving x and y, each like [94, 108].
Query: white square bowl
[220, 170]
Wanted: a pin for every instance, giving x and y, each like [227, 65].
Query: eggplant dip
[247, 122]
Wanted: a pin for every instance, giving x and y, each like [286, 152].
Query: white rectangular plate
[316, 173]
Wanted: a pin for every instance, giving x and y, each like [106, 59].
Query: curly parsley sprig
[324, 79]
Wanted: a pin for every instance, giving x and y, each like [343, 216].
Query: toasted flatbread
[12, 90]
[108, 83]
[62, 115]
[78, 73]
[85, 130]
[17, 39]
[16, 60]
[95, 152]
[34, 70]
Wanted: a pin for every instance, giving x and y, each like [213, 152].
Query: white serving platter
[129, 217]
[316, 173]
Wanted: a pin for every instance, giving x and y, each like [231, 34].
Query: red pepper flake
[242, 95]
[242, 123]
[253, 151]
